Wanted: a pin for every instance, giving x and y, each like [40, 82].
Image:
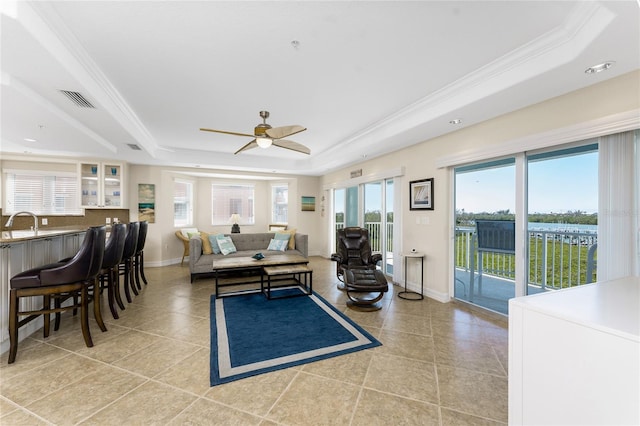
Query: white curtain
[618, 220]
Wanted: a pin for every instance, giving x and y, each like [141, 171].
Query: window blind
[52, 193]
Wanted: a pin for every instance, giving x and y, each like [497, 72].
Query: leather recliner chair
[354, 251]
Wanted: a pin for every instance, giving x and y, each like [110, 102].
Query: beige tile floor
[440, 364]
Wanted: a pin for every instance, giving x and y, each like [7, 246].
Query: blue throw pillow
[213, 239]
[226, 245]
[278, 245]
[284, 237]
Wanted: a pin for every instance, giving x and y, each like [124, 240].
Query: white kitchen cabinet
[574, 355]
[102, 185]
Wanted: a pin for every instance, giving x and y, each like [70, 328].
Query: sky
[555, 186]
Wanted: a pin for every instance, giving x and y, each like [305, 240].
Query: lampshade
[235, 218]
[263, 142]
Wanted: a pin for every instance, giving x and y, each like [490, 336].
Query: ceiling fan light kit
[265, 136]
[263, 142]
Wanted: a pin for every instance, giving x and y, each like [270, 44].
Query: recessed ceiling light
[29, 140]
[455, 121]
[599, 68]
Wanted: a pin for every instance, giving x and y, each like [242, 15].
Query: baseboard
[166, 262]
[436, 295]
[23, 333]
[432, 294]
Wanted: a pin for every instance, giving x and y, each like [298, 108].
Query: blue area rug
[251, 335]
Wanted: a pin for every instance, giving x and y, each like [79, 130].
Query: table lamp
[235, 218]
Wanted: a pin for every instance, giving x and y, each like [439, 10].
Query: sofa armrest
[302, 244]
[195, 250]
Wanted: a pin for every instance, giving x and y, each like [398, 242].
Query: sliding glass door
[369, 205]
[562, 218]
[485, 231]
[556, 213]
[378, 219]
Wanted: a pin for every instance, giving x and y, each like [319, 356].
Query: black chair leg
[97, 301]
[46, 304]
[111, 297]
[144, 279]
[132, 277]
[116, 287]
[136, 271]
[127, 293]
[84, 316]
[13, 326]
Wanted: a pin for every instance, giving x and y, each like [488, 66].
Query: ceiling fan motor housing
[261, 129]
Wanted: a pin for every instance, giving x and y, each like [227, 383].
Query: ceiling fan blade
[250, 145]
[284, 131]
[227, 133]
[294, 146]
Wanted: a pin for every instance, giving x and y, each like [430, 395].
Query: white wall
[614, 96]
[162, 246]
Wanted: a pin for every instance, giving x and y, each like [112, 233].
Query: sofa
[246, 245]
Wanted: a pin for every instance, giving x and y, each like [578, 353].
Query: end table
[408, 294]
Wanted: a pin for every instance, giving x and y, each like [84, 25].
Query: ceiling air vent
[134, 147]
[77, 99]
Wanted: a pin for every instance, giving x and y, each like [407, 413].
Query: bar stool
[138, 260]
[108, 276]
[60, 280]
[93, 286]
[125, 267]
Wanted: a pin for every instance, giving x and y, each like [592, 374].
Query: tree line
[571, 217]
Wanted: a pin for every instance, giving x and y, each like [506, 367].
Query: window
[229, 199]
[42, 193]
[182, 203]
[279, 203]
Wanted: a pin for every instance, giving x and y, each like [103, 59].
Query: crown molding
[44, 23]
[549, 51]
[615, 123]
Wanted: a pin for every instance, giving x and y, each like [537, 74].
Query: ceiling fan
[265, 136]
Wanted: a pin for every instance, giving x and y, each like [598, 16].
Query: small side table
[408, 294]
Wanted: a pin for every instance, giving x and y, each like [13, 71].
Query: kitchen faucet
[9, 223]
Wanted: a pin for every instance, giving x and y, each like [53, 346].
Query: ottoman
[365, 288]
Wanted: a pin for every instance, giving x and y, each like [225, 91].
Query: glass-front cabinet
[101, 185]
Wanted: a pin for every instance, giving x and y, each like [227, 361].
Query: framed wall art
[308, 204]
[421, 194]
[147, 202]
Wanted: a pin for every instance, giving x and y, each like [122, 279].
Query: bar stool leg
[97, 300]
[13, 326]
[126, 274]
[84, 316]
[46, 304]
[132, 280]
[144, 279]
[111, 297]
[116, 287]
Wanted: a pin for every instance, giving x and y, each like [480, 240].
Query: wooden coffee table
[249, 264]
[299, 275]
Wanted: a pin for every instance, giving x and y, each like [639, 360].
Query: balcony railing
[557, 258]
[375, 239]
